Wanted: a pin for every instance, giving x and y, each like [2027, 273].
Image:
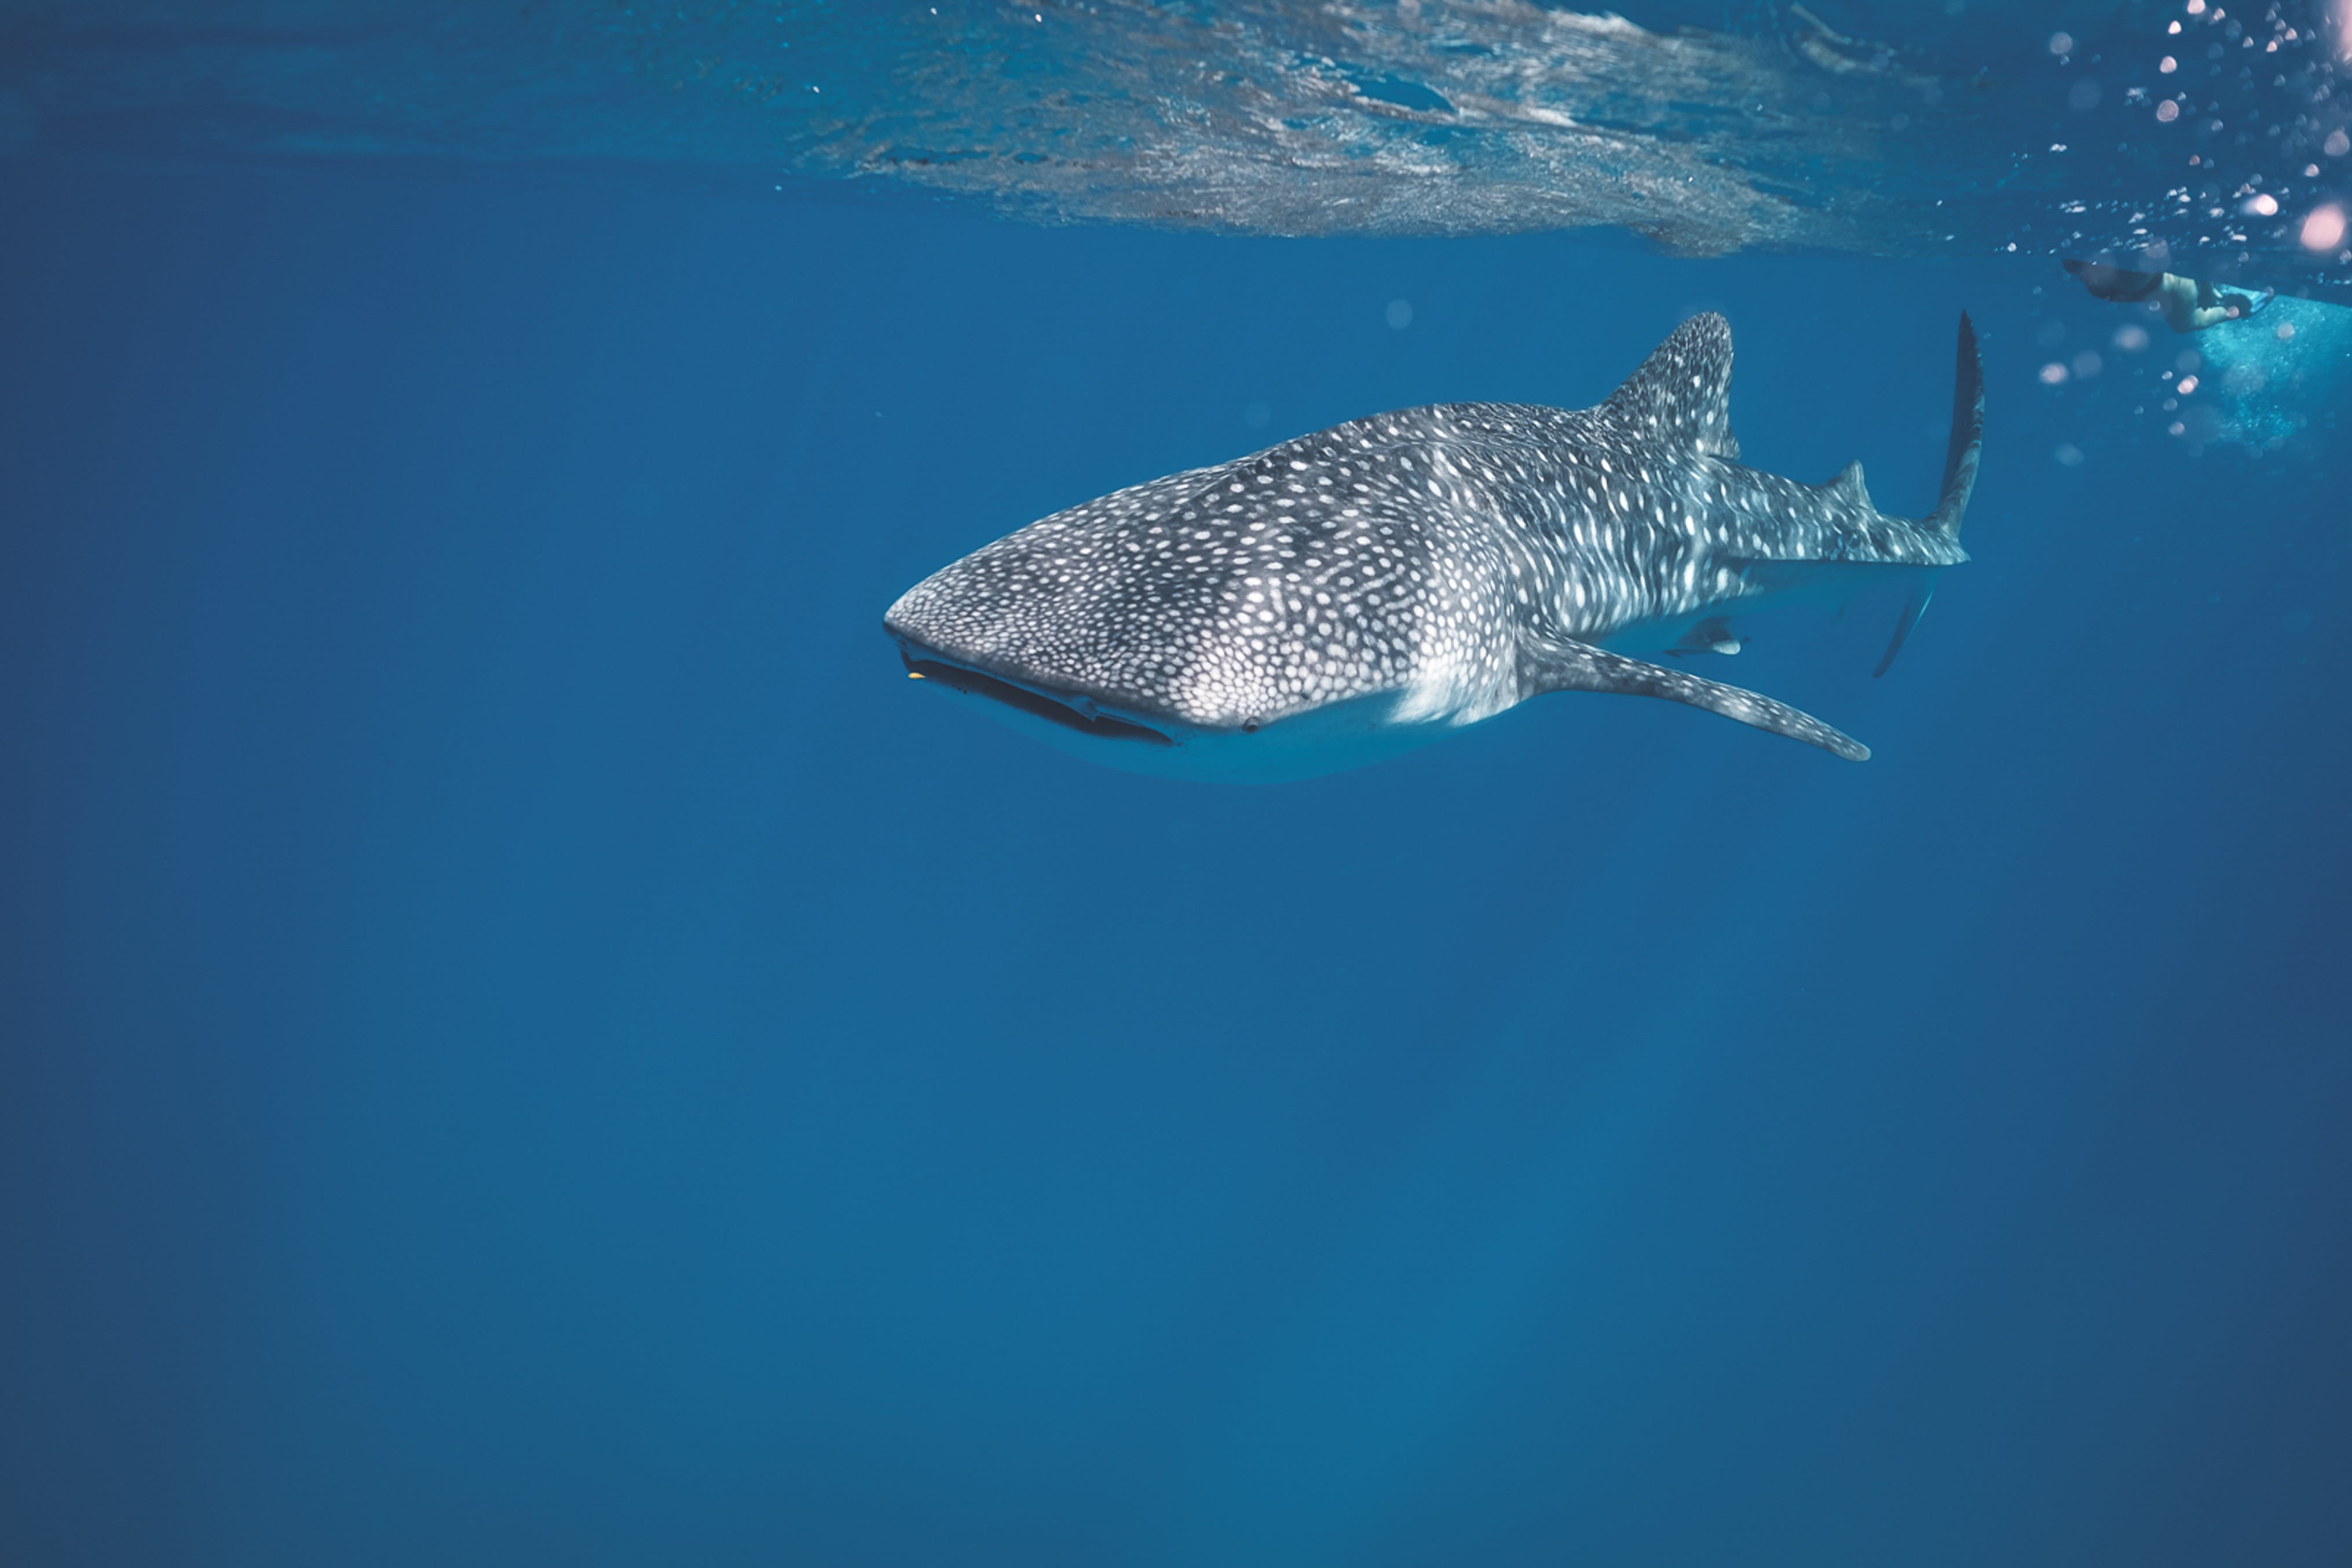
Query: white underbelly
[1774, 590]
[1331, 739]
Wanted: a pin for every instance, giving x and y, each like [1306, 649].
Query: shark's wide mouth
[1052, 709]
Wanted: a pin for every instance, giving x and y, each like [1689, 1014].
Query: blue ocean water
[524, 1038]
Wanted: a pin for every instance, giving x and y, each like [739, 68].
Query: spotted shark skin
[1372, 586]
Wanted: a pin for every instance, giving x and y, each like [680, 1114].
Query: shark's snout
[1022, 612]
[974, 644]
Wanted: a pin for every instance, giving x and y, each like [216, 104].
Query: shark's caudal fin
[1959, 477]
[1968, 435]
[1562, 664]
[1682, 393]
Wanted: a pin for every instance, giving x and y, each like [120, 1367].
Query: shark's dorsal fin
[1682, 393]
[1848, 485]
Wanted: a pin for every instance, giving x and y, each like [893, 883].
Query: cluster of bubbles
[2247, 110]
[2260, 385]
[2265, 385]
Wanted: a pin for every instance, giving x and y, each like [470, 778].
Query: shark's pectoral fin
[1560, 665]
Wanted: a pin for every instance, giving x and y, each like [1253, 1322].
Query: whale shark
[1352, 594]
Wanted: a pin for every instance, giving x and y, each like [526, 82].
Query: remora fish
[1352, 594]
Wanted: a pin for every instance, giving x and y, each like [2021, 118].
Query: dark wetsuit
[2118, 284]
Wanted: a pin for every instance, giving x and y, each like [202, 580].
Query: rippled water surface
[1914, 129]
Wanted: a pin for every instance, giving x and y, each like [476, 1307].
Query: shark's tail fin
[1968, 435]
[1959, 476]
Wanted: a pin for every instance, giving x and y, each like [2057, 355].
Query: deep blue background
[524, 1038]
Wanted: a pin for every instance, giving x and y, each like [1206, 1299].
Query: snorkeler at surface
[2190, 305]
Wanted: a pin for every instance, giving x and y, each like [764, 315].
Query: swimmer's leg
[2178, 296]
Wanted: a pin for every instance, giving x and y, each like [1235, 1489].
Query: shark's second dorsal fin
[1682, 393]
[1848, 485]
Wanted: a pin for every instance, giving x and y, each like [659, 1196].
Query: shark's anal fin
[1712, 635]
[1913, 607]
[1561, 664]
